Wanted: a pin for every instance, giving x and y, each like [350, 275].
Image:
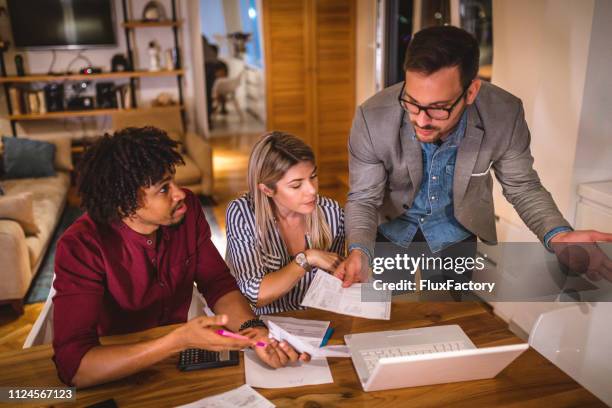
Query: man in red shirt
[130, 262]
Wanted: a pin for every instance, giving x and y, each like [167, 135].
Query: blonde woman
[282, 232]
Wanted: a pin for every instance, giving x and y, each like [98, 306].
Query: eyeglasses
[433, 113]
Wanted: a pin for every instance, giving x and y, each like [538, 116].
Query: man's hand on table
[353, 269]
[578, 251]
[200, 332]
[275, 354]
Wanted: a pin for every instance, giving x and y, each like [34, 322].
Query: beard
[172, 215]
[178, 222]
[433, 137]
[176, 207]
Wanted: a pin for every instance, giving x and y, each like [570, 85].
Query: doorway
[234, 67]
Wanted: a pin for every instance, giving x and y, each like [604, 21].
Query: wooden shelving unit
[84, 113]
[144, 24]
[85, 77]
[129, 26]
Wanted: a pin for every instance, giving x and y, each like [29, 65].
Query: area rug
[39, 289]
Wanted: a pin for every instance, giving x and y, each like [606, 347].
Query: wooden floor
[14, 329]
[230, 159]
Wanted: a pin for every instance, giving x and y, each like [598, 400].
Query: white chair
[42, 330]
[227, 87]
[577, 340]
[198, 305]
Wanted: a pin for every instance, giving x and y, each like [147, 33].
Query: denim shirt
[432, 210]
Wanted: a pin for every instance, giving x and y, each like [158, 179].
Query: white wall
[593, 160]
[218, 18]
[365, 50]
[212, 19]
[233, 22]
[556, 56]
[38, 62]
[194, 35]
[541, 53]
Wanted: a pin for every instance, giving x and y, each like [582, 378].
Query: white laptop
[424, 356]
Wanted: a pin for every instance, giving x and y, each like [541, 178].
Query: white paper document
[296, 374]
[244, 397]
[338, 350]
[326, 293]
[280, 334]
[310, 331]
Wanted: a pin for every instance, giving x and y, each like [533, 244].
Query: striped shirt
[249, 264]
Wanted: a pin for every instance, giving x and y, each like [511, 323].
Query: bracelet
[255, 322]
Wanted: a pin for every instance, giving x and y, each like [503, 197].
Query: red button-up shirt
[110, 279]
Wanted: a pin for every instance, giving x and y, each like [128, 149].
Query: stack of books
[27, 101]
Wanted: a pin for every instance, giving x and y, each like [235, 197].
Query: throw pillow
[25, 158]
[63, 152]
[18, 207]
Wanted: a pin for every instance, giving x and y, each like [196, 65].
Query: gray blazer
[386, 170]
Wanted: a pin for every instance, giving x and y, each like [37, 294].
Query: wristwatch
[252, 323]
[302, 261]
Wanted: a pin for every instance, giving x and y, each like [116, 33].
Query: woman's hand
[328, 261]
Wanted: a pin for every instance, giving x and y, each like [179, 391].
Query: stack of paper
[301, 346]
[244, 396]
[326, 293]
[310, 331]
[303, 335]
[293, 375]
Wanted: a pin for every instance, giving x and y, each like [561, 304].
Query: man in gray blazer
[421, 154]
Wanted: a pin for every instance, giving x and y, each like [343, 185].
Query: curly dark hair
[115, 169]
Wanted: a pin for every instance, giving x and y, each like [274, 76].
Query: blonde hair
[270, 159]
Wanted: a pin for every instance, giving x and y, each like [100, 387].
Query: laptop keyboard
[371, 356]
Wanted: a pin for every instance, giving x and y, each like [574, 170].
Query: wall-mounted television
[62, 24]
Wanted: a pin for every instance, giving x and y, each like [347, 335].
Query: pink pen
[226, 333]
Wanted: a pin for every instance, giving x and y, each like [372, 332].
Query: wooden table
[529, 381]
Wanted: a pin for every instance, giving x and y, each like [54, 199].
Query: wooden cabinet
[310, 75]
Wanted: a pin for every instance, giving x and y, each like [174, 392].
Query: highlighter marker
[328, 334]
[226, 333]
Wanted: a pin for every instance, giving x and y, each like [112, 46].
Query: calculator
[197, 359]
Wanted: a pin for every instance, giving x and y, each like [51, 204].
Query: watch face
[300, 258]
